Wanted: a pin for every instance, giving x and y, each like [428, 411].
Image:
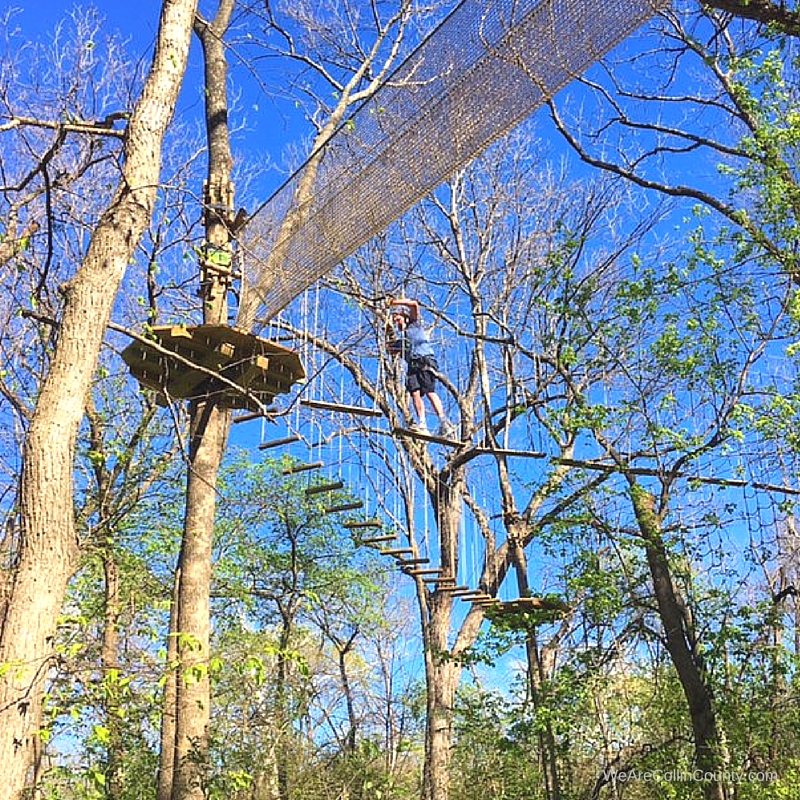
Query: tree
[786, 20]
[487, 257]
[735, 158]
[184, 755]
[184, 778]
[48, 552]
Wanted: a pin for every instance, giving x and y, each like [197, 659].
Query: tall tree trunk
[111, 674]
[282, 705]
[343, 649]
[193, 697]
[682, 647]
[442, 673]
[209, 425]
[169, 703]
[548, 757]
[49, 548]
[441, 677]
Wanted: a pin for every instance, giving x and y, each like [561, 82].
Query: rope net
[484, 70]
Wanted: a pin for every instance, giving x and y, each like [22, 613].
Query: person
[412, 342]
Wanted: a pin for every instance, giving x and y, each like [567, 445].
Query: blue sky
[267, 129]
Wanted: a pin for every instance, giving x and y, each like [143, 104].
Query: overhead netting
[485, 69]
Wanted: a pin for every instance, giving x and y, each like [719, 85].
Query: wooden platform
[205, 353]
[322, 488]
[278, 442]
[296, 468]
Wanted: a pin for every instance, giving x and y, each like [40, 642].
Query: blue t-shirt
[417, 343]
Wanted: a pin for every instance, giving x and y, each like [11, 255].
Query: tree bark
[764, 11]
[682, 647]
[169, 702]
[442, 673]
[111, 674]
[193, 697]
[548, 756]
[441, 676]
[209, 426]
[49, 546]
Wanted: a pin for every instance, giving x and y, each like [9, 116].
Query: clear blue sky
[135, 20]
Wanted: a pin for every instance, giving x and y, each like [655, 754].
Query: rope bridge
[484, 70]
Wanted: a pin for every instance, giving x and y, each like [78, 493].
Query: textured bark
[548, 754]
[210, 423]
[442, 673]
[763, 11]
[169, 703]
[193, 698]
[48, 539]
[682, 647]
[110, 661]
[442, 676]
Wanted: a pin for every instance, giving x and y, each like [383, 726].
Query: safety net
[485, 69]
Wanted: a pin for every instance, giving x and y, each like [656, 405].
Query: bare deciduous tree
[48, 547]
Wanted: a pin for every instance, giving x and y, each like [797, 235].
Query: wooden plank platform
[420, 572]
[479, 449]
[366, 523]
[390, 537]
[188, 362]
[531, 604]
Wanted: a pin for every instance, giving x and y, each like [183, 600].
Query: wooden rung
[324, 487]
[341, 408]
[390, 537]
[345, 507]
[248, 417]
[278, 442]
[302, 468]
[501, 451]
[412, 561]
[428, 437]
[366, 523]
[416, 572]
[396, 551]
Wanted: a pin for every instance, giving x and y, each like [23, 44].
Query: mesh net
[485, 69]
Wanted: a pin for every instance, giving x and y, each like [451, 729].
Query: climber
[412, 342]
